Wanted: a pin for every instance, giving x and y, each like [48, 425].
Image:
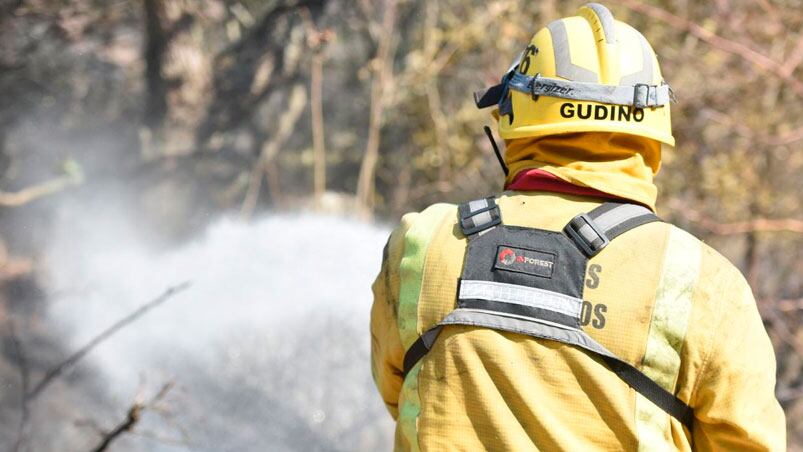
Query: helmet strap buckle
[641, 95]
[533, 84]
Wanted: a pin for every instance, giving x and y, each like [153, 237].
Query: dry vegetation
[199, 107]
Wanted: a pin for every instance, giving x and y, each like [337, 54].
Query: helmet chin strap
[640, 95]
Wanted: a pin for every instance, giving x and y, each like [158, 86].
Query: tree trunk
[318, 143]
[383, 67]
[155, 47]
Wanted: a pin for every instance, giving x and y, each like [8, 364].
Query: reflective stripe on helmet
[563, 58]
[645, 74]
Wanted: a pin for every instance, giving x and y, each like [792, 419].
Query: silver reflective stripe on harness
[612, 218]
[521, 295]
[536, 328]
[530, 327]
[477, 204]
[639, 95]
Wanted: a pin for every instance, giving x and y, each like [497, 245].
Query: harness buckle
[639, 100]
[481, 219]
[586, 238]
[471, 226]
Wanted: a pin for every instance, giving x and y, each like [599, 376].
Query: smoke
[268, 348]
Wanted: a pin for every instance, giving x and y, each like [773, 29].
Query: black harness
[530, 281]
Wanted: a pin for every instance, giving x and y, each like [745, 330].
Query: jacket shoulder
[428, 220]
[717, 260]
[719, 278]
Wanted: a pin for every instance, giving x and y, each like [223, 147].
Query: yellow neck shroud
[615, 163]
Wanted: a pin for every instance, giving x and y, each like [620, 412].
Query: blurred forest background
[176, 113]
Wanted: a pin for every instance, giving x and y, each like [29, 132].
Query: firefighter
[563, 314]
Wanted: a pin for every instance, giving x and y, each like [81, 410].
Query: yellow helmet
[586, 73]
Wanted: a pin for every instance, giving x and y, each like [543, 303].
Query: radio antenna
[496, 149]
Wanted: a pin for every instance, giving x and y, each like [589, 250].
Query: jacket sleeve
[387, 352]
[735, 405]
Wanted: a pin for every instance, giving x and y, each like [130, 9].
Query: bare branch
[317, 118]
[748, 132]
[295, 106]
[787, 138]
[790, 395]
[768, 311]
[754, 225]
[317, 41]
[130, 421]
[790, 305]
[434, 103]
[794, 60]
[132, 418]
[26, 195]
[726, 45]
[738, 227]
[59, 369]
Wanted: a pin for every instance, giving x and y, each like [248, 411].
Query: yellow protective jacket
[656, 297]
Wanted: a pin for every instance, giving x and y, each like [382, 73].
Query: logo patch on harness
[531, 262]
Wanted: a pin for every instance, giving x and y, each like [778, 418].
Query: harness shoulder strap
[593, 231]
[478, 216]
[651, 390]
[420, 348]
[634, 378]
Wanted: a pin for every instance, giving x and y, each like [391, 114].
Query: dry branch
[788, 396]
[790, 305]
[26, 195]
[59, 369]
[748, 132]
[316, 42]
[439, 119]
[769, 311]
[295, 106]
[782, 71]
[754, 225]
[133, 416]
[794, 60]
[738, 227]
[318, 143]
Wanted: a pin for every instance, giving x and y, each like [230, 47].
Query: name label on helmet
[601, 112]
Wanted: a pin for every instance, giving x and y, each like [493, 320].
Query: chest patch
[521, 260]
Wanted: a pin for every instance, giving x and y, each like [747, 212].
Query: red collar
[540, 180]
